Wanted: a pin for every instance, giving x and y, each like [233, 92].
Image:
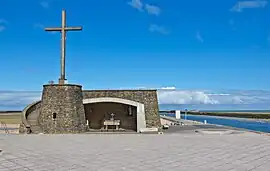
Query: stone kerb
[62, 85]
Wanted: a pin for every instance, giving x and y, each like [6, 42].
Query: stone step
[34, 121]
[148, 130]
[10, 131]
[35, 129]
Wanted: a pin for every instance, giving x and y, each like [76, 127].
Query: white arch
[141, 123]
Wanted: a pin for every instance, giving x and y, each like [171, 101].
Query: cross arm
[73, 28]
[53, 29]
[66, 28]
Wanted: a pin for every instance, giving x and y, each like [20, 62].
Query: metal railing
[3, 126]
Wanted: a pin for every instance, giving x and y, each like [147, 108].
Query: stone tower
[62, 109]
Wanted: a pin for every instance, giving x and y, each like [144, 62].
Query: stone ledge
[216, 131]
[62, 85]
[116, 90]
[148, 130]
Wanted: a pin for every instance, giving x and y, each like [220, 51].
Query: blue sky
[195, 46]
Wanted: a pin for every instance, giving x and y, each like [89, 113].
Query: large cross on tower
[63, 29]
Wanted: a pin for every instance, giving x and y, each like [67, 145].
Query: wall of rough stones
[147, 97]
[30, 117]
[66, 102]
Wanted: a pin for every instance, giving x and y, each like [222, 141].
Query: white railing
[3, 126]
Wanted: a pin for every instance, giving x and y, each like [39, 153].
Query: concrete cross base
[62, 81]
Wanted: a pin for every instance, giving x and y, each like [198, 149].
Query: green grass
[11, 119]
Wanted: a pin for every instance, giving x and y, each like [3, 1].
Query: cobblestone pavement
[194, 152]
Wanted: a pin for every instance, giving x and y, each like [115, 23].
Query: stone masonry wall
[31, 116]
[147, 97]
[66, 101]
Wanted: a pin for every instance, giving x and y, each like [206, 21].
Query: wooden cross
[63, 29]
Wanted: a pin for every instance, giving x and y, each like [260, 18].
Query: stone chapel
[66, 108]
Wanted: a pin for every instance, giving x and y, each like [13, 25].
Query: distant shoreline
[245, 115]
[236, 118]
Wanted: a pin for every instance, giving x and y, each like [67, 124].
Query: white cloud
[209, 97]
[17, 100]
[2, 25]
[239, 6]
[39, 26]
[2, 21]
[136, 4]
[221, 94]
[168, 88]
[45, 4]
[42, 27]
[199, 37]
[158, 29]
[231, 22]
[2, 28]
[184, 97]
[152, 9]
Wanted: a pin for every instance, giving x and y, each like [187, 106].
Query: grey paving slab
[245, 151]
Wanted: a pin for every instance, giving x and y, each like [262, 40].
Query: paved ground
[175, 151]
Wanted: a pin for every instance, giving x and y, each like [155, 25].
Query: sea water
[250, 124]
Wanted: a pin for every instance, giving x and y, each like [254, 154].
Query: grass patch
[11, 119]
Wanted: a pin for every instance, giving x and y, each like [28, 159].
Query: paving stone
[135, 152]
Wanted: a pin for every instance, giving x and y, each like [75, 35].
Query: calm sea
[254, 125]
[248, 111]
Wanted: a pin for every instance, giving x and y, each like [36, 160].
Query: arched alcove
[130, 113]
